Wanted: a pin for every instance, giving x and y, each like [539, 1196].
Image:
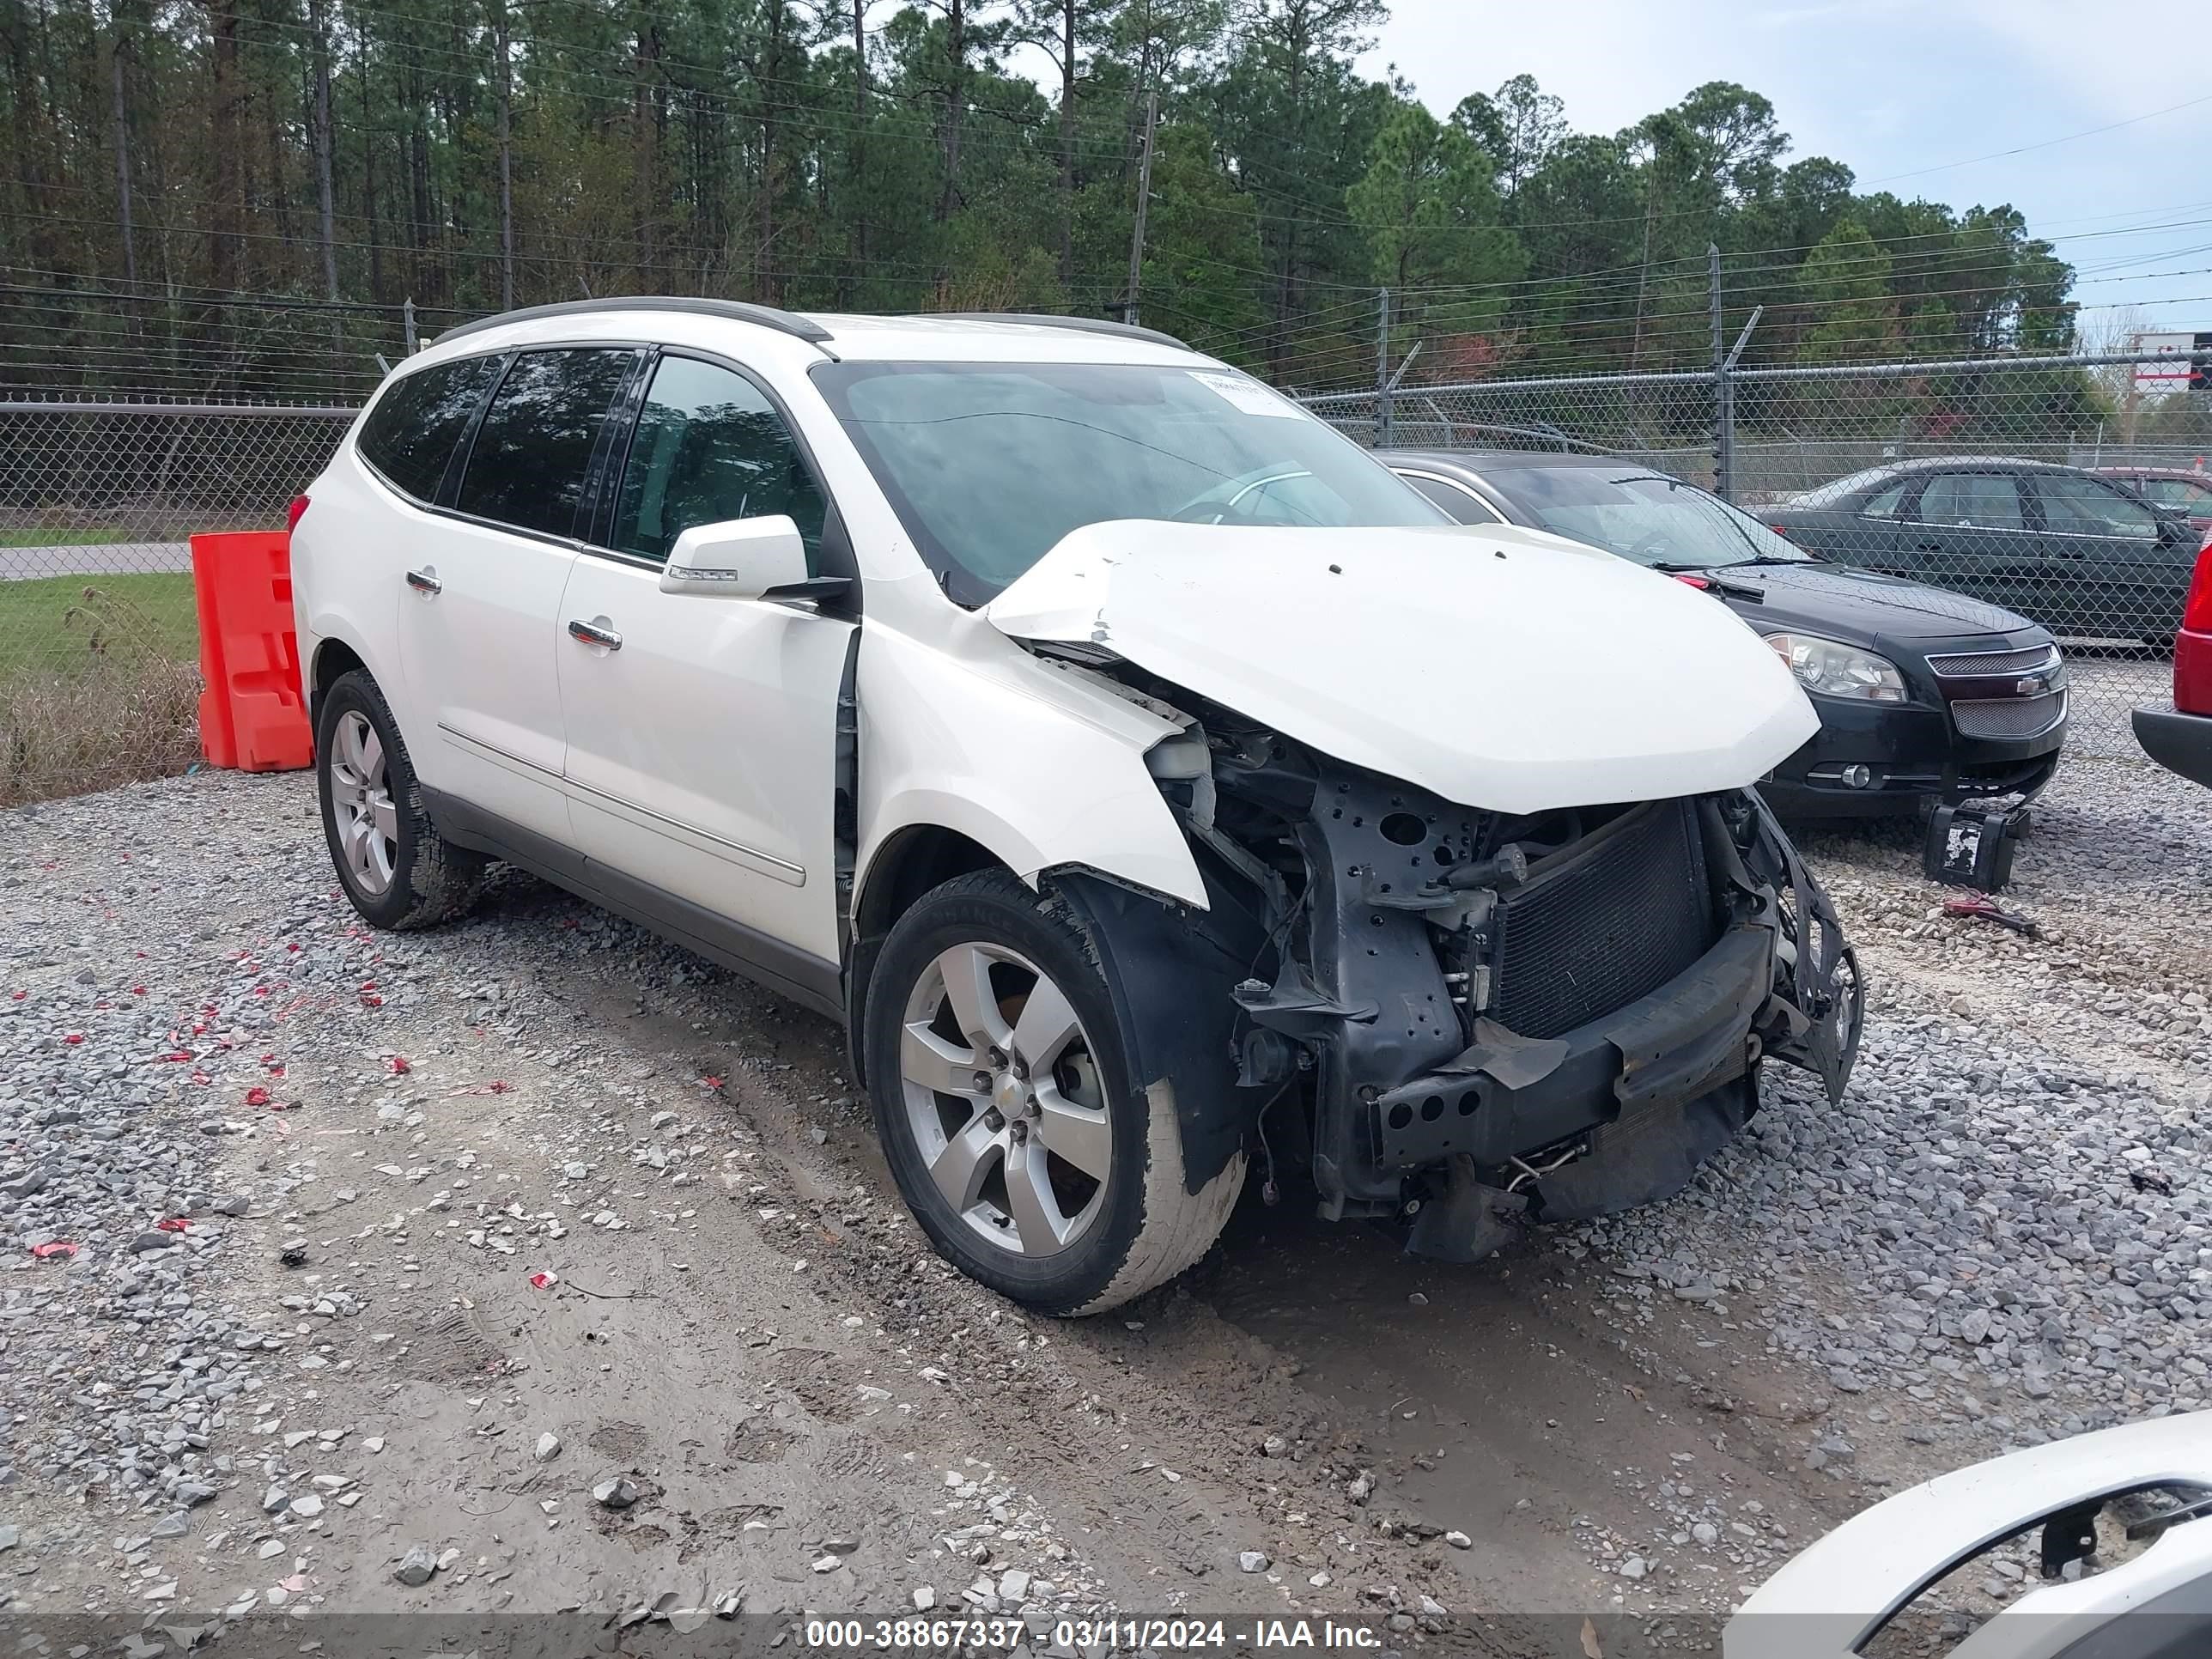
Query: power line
[2046, 144]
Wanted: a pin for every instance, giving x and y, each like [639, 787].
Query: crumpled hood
[1495, 666]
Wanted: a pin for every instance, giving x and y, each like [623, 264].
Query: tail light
[1687, 580]
[2192, 647]
[292, 514]
[2197, 611]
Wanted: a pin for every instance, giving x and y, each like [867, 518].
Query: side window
[709, 447]
[1460, 504]
[409, 435]
[1884, 504]
[1984, 501]
[527, 466]
[2083, 506]
[2183, 493]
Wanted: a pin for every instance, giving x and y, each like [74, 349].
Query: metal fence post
[407, 316]
[1384, 387]
[1723, 387]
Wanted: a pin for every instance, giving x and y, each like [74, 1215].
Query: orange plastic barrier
[252, 714]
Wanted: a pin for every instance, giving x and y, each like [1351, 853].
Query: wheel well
[914, 860]
[333, 657]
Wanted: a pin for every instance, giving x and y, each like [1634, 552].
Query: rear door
[701, 746]
[1969, 531]
[479, 619]
[2121, 578]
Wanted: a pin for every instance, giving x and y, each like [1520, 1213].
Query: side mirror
[736, 559]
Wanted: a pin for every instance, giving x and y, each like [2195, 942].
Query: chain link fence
[1944, 473]
[2074, 491]
[99, 637]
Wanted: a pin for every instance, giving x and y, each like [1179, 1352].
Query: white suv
[1151, 781]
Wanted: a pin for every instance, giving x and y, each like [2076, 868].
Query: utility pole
[1143, 201]
[1383, 383]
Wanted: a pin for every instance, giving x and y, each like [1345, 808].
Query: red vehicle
[2178, 735]
[2184, 489]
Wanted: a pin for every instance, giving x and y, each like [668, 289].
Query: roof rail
[738, 311]
[1081, 324]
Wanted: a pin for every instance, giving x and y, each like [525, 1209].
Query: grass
[48, 624]
[34, 535]
[99, 684]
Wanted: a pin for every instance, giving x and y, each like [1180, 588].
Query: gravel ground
[300, 1357]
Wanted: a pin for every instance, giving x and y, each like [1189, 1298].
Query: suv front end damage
[1493, 933]
[1490, 1018]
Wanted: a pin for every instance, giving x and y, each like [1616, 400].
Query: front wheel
[1001, 1084]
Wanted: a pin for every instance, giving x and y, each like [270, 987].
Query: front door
[701, 746]
[479, 619]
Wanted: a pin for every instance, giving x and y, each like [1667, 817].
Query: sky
[1915, 98]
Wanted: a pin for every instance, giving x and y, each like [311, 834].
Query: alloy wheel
[361, 800]
[1004, 1100]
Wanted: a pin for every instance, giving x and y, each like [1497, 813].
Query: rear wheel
[1001, 1086]
[394, 867]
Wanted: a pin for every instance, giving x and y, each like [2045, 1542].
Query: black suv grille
[1612, 925]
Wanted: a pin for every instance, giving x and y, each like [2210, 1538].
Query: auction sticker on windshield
[1248, 395]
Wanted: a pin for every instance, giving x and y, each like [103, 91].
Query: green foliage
[1428, 209]
[749, 148]
[1844, 286]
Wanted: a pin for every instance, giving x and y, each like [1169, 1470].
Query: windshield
[1641, 515]
[989, 464]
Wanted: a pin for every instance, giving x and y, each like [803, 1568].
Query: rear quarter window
[409, 435]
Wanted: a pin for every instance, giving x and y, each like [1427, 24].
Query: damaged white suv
[1152, 782]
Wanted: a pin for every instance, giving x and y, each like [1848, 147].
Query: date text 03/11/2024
[1086, 1635]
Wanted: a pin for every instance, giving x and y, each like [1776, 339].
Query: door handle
[423, 582]
[1928, 547]
[585, 633]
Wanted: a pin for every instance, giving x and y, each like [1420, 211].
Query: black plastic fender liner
[1825, 982]
[1169, 969]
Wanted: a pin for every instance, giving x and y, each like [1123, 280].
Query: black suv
[1923, 696]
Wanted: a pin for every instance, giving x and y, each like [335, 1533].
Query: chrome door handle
[585, 633]
[423, 582]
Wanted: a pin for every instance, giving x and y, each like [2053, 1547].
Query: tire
[1076, 1202]
[394, 867]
